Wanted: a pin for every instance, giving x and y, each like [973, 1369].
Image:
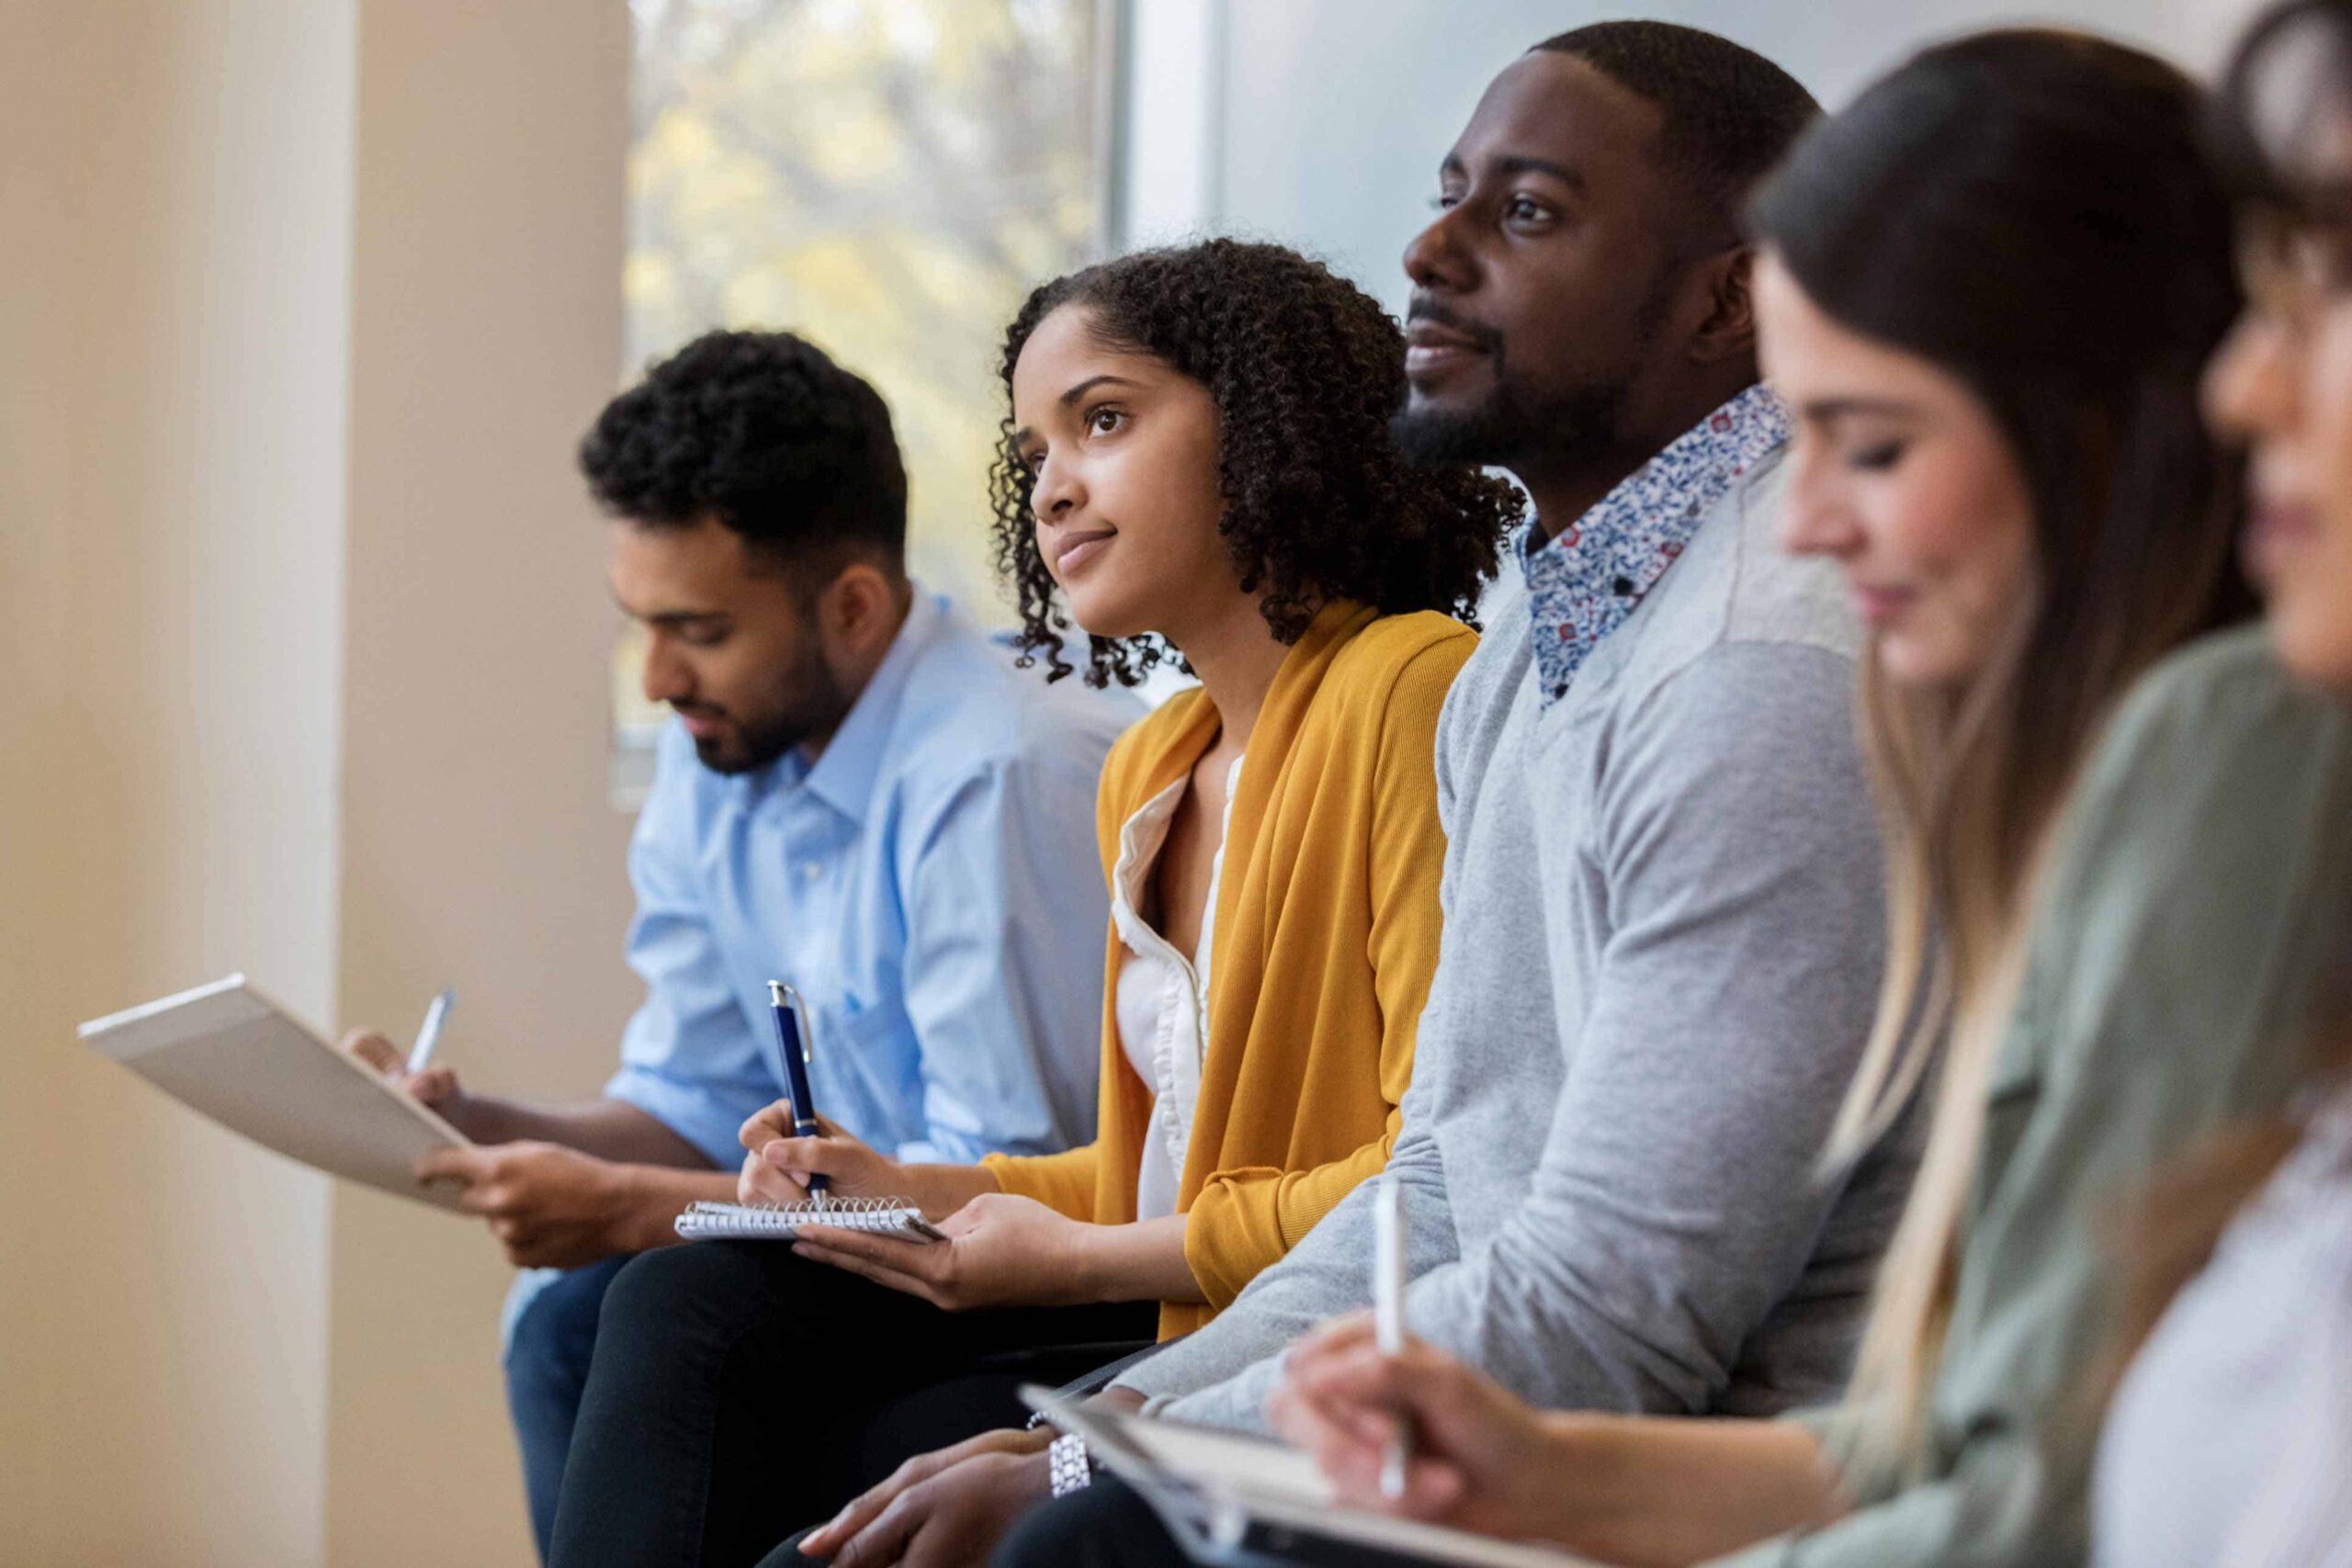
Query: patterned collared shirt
[1582, 585]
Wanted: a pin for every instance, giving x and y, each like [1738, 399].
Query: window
[888, 179]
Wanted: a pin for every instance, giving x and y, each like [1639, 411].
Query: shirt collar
[1582, 585]
[843, 774]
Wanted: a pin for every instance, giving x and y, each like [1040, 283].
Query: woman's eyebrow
[1091, 383]
[1022, 437]
[1825, 410]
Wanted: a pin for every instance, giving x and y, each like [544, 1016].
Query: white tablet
[227, 1052]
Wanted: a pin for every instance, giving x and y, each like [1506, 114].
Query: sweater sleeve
[1220, 1374]
[1674, 1203]
[1244, 1219]
[1064, 1182]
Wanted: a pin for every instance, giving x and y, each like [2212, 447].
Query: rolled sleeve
[690, 1109]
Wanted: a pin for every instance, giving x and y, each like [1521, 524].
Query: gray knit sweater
[1663, 934]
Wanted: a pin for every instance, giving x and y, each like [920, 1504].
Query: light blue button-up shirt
[931, 886]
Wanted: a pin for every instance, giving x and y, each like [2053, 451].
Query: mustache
[1424, 307]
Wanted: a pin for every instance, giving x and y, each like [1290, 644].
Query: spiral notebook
[774, 1222]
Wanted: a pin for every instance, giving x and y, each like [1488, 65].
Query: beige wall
[237, 229]
[478, 846]
[177, 195]
[302, 303]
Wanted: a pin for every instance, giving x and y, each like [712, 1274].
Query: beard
[1566, 429]
[809, 702]
[1512, 426]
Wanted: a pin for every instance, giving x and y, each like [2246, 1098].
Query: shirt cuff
[687, 1111]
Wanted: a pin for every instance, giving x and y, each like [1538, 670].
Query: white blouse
[2229, 1442]
[1163, 999]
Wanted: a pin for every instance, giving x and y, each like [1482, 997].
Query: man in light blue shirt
[861, 795]
[930, 884]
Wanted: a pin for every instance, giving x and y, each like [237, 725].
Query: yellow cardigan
[1327, 935]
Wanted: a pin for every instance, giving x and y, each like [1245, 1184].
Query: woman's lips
[1072, 552]
[1880, 606]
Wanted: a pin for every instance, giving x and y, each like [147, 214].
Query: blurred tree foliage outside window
[888, 178]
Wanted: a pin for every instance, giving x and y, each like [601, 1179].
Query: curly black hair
[1305, 369]
[764, 432]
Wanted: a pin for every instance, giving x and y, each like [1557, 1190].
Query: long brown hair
[2027, 210]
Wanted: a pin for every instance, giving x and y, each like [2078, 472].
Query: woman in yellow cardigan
[1197, 458]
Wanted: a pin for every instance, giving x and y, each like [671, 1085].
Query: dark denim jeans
[547, 1369]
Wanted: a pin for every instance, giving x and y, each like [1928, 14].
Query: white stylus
[429, 1037]
[1388, 1308]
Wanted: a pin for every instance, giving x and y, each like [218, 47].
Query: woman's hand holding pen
[777, 1166]
[1481, 1459]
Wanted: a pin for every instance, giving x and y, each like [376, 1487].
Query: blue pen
[785, 1001]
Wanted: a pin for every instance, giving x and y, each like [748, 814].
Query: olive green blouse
[2198, 889]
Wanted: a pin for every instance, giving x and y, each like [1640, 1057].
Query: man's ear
[1727, 330]
[859, 610]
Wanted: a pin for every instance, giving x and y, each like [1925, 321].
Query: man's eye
[1445, 202]
[704, 637]
[1876, 457]
[1522, 210]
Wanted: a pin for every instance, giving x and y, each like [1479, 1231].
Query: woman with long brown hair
[1989, 288]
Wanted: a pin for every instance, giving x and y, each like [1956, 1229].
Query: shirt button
[810, 870]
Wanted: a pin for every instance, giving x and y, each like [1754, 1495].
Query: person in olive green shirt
[2186, 934]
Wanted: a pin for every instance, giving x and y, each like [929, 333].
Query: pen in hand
[1388, 1312]
[428, 1037]
[785, 1003]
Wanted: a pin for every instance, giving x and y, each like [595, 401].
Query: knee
[555, 1328]
[698, 1289]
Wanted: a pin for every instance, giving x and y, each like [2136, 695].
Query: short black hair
[1727, 114]
[765, 433]
[1305, 369]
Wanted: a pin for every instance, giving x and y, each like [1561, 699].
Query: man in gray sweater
[1662, 903]
[1662, 886]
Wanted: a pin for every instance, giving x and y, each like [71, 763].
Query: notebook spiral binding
[830, 1206]
[844, 1213]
